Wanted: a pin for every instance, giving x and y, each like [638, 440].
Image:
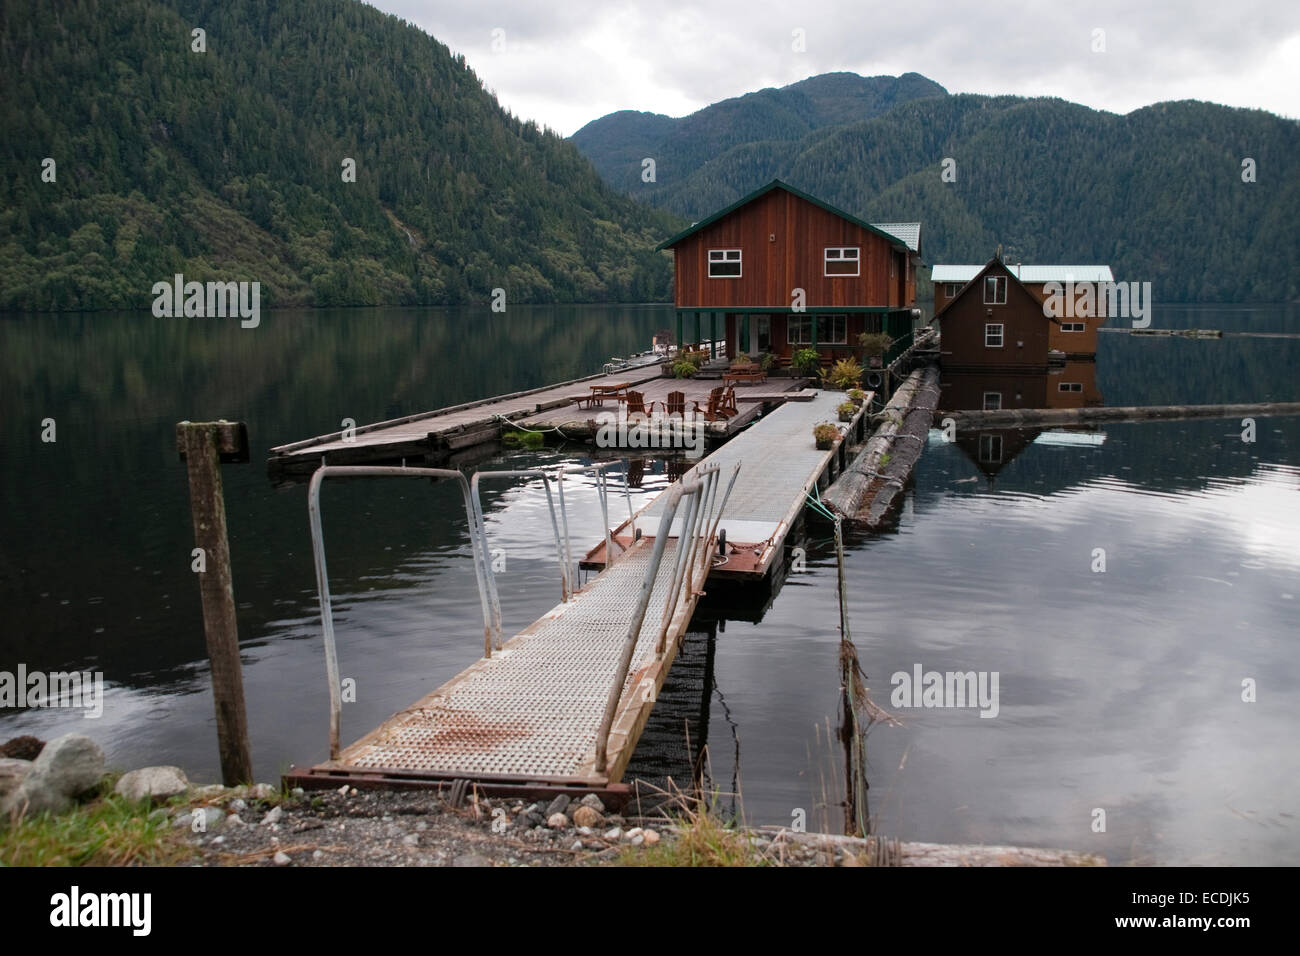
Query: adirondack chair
[728, 404]
[716, 410]
[676, 404]
[636, 405]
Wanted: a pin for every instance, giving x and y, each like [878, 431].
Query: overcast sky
[566, 64]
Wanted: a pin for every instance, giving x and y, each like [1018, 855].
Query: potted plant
[874, 345]
[857, 396]
[684, 369]
[825, 435]
[847, 410]
[767, 361]
[806, 361]
[844, 374]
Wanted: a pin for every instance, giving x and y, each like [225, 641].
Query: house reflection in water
[1071, 385]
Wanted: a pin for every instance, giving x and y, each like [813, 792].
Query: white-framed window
[1072, 326]
[831, 330]
[842, 261]
[990, 448]
[724, 263]
[993, 335]
[992, 401]
[950, 289]
[1069, 387]
[995, 290]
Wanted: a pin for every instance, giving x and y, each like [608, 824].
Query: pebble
[281, 858]
[651, 837]
[264, 791]
[298, 792]
[411, 840]
[422, 826]
[557, 821]
[632, 835]
[577, 845]
[237, 805]
[317, 855]
[234, 819]
[592, 801]
[272, 816]
[343, 790]
[558, 805]
[586, 816]
[218, 839]
[616, 833]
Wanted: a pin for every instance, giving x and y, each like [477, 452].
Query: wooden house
[782, 271]
[994, 322]
[1072, 335]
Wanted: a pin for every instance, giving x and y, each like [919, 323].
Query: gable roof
[1033, 274]
[909, 232]
[695, 227]
[983, 270]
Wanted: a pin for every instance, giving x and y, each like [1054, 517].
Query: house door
[762, 339]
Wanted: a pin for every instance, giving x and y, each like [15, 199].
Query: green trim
[763, 191]
[822, 309]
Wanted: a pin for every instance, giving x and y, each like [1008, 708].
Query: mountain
[228, 164]
[618, 143]
[1157, 193]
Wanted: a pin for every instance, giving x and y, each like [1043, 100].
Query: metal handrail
[701, 490]
[322, 575]
[494, 597]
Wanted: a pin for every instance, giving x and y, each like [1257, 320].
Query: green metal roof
[777, 184]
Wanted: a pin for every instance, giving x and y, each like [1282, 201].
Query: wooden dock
[436, 437]
[781, 466]
[562, 703]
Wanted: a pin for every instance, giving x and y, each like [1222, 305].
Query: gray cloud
[568, 64]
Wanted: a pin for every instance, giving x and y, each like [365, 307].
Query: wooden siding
[1071, 343]
[1025, 330]
[771, 268]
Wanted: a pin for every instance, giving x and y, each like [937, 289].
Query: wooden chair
[676, 404]
[636, 405]
[715, 412]
[727, 405]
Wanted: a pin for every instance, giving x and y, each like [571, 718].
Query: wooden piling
[203, 446]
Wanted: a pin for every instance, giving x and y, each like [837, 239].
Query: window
[992, 401]
[842, 261]
[1071, 326]
[1070, 387]
[724, 263]
[831, 330]
[950, 289]
[993, 335]
[995, 290]
[990, 448]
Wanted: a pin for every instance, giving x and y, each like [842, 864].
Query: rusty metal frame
[322, 574]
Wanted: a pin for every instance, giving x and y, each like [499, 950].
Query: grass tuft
[106, 831]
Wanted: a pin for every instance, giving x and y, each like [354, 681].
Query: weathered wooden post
[203, 446]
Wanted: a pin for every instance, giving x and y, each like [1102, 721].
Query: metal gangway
[564, 701]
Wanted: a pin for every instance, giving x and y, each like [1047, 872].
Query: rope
[817, 506]
[536, 431]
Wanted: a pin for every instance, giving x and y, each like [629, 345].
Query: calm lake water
[1119, 691]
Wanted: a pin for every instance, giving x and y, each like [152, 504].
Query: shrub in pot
[825, 435]
[847, 411]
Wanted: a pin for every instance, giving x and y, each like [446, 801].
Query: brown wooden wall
[772, 269]
[1025, 328]
[1071, 343]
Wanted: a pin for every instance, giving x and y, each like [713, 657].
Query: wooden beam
[1035, 417]
[203, 445]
